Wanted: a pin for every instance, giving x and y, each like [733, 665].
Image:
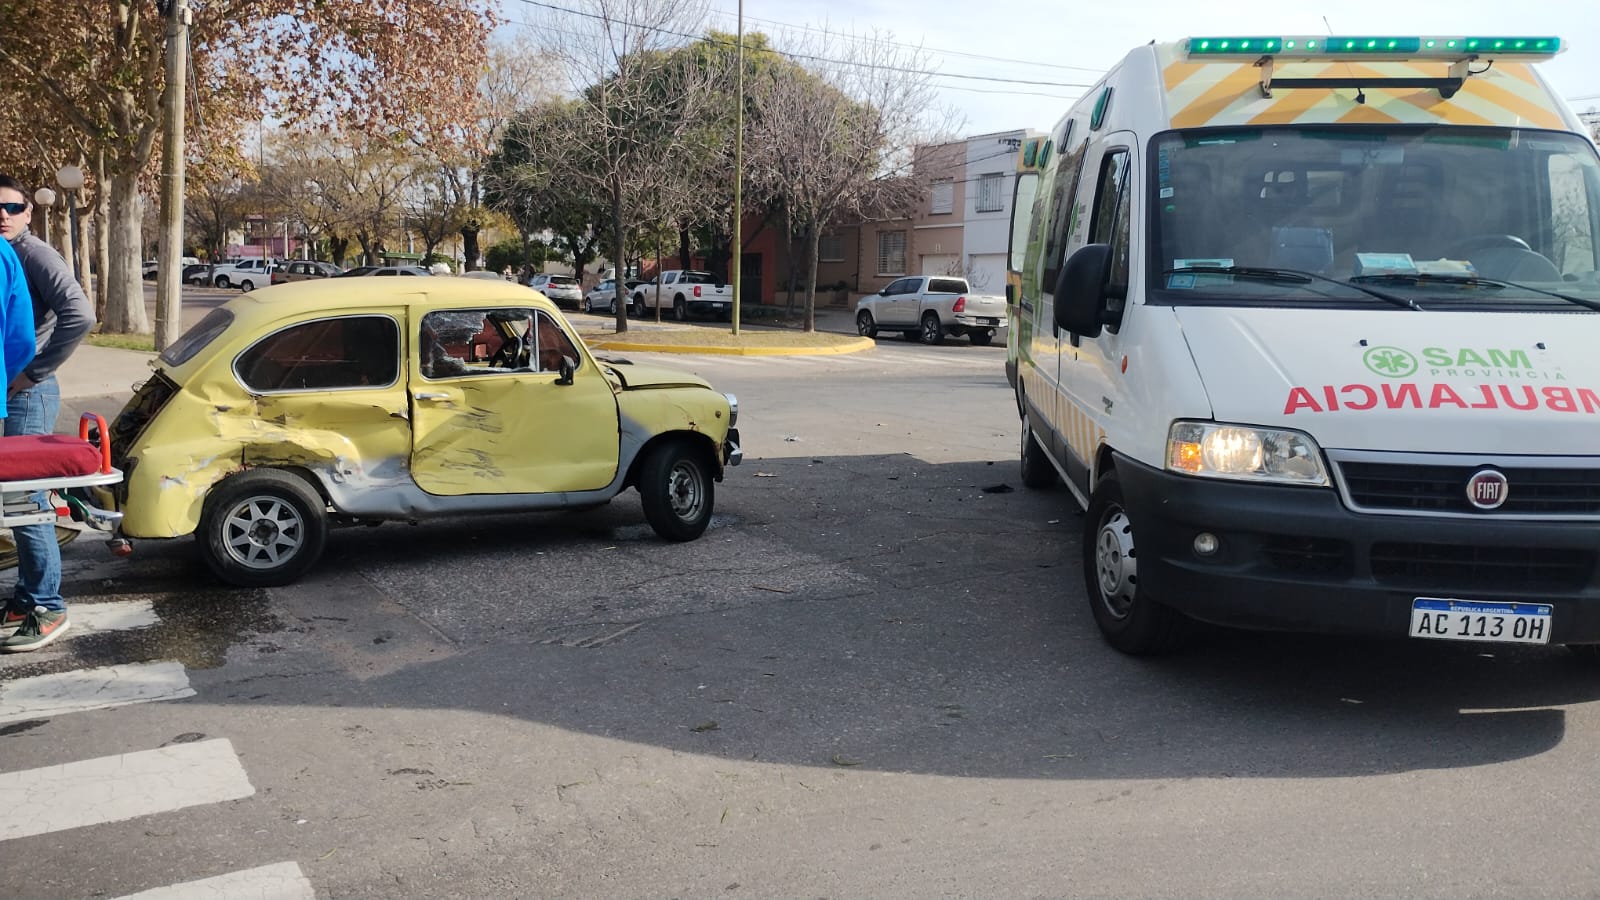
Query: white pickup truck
[247, 274]
[684, 291]
[928, 307]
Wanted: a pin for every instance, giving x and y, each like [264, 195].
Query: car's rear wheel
[247, 286]
[981, 337]
[680, 309]
[931, 332]
[222, 281]
[1037, 472]
[677, 490]
[865, 326]
[262, 528]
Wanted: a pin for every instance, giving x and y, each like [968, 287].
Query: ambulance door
[1089, 365]
[1061, 219]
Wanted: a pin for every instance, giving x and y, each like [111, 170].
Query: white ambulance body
[1311, 327]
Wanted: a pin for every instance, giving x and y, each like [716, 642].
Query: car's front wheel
[1130, 619]
[638, 306]
[262, 528]
[677, 490]
[865, 326]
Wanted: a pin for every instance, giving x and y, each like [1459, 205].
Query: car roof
[281, 301]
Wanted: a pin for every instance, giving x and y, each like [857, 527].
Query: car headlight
[733, 410]
[1213, 450]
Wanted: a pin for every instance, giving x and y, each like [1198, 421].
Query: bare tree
[840, 138]
[632, 110]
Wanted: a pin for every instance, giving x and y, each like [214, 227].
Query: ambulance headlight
[1240, 452]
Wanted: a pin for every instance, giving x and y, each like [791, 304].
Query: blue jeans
[34, 411]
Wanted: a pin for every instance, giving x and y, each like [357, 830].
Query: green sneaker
[40, 628]
[11, 620]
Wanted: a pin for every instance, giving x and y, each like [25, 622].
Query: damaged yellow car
[345, 401]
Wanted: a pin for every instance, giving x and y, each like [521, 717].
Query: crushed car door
[490, 414]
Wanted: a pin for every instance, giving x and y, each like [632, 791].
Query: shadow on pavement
[873, 612]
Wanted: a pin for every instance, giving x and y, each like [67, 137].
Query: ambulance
[1310, 327]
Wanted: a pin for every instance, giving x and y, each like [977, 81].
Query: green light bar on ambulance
[1393, 47]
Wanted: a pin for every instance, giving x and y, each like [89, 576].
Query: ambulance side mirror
[1080, 298]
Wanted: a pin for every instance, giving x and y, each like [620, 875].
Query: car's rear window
[195, 339]
[563, 280]
[698, 278]
[947, 286]
[325, 354]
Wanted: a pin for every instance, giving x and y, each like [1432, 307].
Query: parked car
[304, 270]
[684, 292]
[358, 271]
[151, 266]
[487, 275]
[603, 296]
[197, 273]
[245, 274]
[563, 290]
[397, 270]
[275, 417]
[928, 307]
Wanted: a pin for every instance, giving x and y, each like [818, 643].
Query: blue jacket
[17, 344]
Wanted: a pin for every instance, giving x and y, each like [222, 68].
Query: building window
[891, 253]
[943, 200]
[989, 198]
[830, 248]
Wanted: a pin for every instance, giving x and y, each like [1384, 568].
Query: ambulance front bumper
[1297, 559]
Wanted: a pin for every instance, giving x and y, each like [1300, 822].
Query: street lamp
[44, 199]
[71, 180]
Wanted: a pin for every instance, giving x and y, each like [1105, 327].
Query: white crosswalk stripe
[101, 688]
[114, 788]
[281, 881]
[130, 785]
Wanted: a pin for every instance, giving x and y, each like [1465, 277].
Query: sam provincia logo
[1404, 379]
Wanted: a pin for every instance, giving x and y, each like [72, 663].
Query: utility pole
[738, 183]
[169, 266]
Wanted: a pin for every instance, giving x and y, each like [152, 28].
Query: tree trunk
[80, 244]
[102, 236]
[469, 246]
[684, 259]
[338, 248]
[125, 312]
[813, 239]
[616, 233]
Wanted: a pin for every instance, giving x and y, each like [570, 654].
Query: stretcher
[38, 472]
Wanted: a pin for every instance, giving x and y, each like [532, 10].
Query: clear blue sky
[1071, 43]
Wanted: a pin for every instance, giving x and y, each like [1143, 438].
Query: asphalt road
[875, 676]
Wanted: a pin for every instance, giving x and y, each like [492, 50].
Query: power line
[942, 52]
[810, 57]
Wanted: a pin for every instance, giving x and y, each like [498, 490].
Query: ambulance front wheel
[1037, 472]
[1129, 618]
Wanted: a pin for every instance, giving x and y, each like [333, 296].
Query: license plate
[1469, 620]
[989, 321]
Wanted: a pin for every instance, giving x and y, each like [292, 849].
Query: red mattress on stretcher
[47, 456]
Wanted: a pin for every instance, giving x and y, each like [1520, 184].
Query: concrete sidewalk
[98, 380]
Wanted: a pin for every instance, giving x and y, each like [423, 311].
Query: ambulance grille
[1410, 487]
[1457, 567]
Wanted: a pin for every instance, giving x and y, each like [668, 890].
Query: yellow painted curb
[855, 345]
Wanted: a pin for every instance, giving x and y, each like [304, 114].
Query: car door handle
[431, 395]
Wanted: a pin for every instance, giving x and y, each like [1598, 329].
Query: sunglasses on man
[13, 209]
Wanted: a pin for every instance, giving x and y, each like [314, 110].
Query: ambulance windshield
[1442, 214]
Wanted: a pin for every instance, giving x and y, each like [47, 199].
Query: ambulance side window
[1064, 191]
[1112, 203]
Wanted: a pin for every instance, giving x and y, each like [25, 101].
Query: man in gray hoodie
[37, 614]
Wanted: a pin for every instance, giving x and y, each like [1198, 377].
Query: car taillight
[697, 290]
[961, 305]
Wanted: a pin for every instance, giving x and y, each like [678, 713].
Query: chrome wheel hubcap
[262, 532]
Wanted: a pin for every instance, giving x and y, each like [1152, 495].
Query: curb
[855, 345]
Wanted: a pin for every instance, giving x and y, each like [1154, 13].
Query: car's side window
[326, 354]
[487, 342]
